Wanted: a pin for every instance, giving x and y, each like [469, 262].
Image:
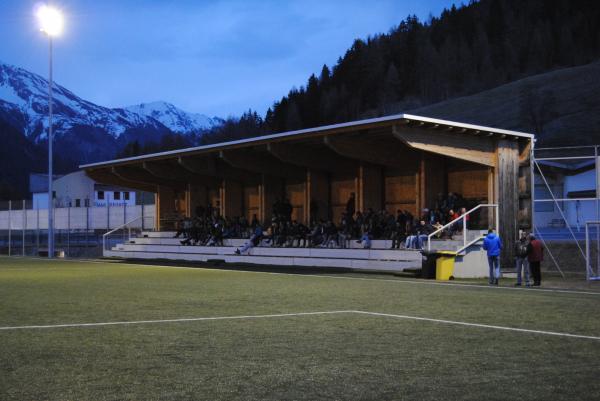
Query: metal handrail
[463, 217]
[119, 228]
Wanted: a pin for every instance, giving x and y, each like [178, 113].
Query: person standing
[493, 245]
[351, 205]
[521, 262]
[535, 256]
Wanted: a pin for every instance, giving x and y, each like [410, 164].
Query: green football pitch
[73, 330]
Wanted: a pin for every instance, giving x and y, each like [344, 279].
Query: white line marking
[485, 326]
[198, 319]
[191, 319]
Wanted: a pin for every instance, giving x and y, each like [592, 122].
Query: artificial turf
[337, 356]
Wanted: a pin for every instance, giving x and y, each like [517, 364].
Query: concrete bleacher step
[366, 254]
[360, 264]
[167, 238]
[162, 245]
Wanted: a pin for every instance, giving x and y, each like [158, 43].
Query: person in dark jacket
[493, 245]
[351, 205]
[535, 256]
[521, 262]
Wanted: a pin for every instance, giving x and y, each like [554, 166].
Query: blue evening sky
[213, 57]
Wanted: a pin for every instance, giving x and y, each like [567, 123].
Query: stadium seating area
[162, 245]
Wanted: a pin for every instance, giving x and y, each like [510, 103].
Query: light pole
[51, 23]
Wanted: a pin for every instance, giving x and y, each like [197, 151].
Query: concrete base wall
[472, 265]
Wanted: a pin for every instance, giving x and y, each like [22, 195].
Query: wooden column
[507, 177]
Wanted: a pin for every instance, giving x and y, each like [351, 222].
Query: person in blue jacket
[493, 245]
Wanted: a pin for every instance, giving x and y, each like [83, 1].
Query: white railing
[127, 226]
[463, 218]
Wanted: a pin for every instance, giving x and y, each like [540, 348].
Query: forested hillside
[464, 51]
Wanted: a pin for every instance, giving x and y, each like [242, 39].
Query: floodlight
[51, 20]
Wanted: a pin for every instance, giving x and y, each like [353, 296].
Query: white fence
[76, 218]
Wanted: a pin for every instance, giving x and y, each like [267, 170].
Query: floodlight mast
[51, 23]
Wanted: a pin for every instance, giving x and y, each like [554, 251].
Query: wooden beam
[507, 176]
[459, 146]
[382, 153]
[211, 167]
[253, 162]
[168, 170]
[141, 176]
[105, 176]
[312, 157]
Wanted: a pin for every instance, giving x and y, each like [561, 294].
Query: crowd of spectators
[405, 230]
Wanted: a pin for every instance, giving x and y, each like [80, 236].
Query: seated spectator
[183, 227]
[365, 240]
[254, 240]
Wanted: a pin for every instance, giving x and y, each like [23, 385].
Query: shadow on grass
[222, 265]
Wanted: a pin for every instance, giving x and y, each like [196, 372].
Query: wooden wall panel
[318, 194]
[295, 193]
[214, 198]
[171, 207]
[270, 190]
[341, 188]
[370, 188]
[198, 197]
[471, 181]
[232, 198]
[400, 190]
[251, 201]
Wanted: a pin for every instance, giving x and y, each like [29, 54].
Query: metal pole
[588, 265]
[532, 179]
[23, 231]
[68, 230]
[9, 226]
[50, 173]
[597, 210]
[464, 224]
[37, 231]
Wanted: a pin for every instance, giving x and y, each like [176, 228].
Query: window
[86, 203]
[117, 196]
[100, 195]
[77, 202]
[126, 196]
[53, 194]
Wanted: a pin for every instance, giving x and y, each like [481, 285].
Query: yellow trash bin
[444, 266]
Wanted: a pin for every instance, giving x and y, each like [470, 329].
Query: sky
[217, 58]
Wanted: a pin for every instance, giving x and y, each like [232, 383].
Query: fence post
[23, 231]
[142, 203]
[69, 230]
[37, 230]
[87, 226]
[9, 227]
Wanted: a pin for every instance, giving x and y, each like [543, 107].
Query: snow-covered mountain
[174, 118]
[24, 104]
[84, 131]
